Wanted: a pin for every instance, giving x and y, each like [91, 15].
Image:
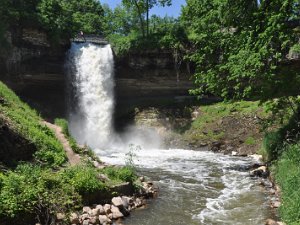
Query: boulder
[270, 222]
[100, 209]
[275, 204]
[74, 218]
[103, 219]
[261, 171]
[86, 209]
[93, 220]
[118, 202]
[116, 213]
[60, 216]
[107, 208]
[95, 212]
[86, 222]
[127, 201]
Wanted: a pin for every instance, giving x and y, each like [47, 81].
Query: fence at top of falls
[90, 38]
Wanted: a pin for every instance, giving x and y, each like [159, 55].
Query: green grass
[27, 123]
[206, 126]
[250, 141]
[212, 113]
[287, 173]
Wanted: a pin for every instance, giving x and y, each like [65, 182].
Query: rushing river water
[197, 187]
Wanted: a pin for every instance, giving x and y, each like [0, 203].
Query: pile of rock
[120, 207]
[104, 214]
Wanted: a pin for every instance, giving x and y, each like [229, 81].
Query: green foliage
[288, 177]
[31, 189]
[28, 124]
[84, 179]
[126, 173]
[237, 46]
[296, 48]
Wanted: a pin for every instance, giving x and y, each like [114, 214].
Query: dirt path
[73, 158]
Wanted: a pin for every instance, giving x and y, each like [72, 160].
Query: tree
[142, 8]
[238, 46]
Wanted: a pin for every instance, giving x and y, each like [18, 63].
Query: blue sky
[173, 10]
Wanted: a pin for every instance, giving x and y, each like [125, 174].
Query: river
[197, 187]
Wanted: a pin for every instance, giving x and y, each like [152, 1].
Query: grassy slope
[35, 188]
[235, 124]
[25, 121]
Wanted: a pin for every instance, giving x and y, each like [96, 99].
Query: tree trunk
[147, 17]
[140, 17]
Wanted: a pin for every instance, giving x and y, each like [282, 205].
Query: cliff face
[35, 71]
[151, 74]
[33, 68]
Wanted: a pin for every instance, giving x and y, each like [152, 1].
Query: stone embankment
[262, 171]
[119, 208]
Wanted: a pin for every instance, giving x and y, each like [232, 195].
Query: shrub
[34, 190]
[120, 173]
[83, 178]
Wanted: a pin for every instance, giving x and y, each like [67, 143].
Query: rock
[138, 202]
[74, 218]
[103, 177]
[86, 222]
[101, 209]
[142, 179]
[95, 212]
[60, 216]
[104, 219]
[84, 216]
[276, 204]
[118, 202]
[260, 172]
[233, 153]
[93, 220]
[107, 208]
[281, 223]
[127, 201]
[110, 216]
[86, 209]
[116, 214]
[273, 222]
[270, 222]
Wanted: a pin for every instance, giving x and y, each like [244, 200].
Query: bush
[34, 190]
[120, 173]
[83, 178]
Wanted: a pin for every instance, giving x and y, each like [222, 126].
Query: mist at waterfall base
[197, 187]
[91, 101]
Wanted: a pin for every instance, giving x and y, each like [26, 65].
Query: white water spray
[92, 100]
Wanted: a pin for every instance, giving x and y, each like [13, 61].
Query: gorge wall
[35, 69]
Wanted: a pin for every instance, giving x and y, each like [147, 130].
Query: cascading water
[197, 187]
[90, 70]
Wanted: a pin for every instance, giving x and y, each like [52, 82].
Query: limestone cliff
[34, 68]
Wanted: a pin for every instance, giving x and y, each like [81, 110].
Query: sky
[173, 10]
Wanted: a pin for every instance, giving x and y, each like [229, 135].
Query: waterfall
[90, 79]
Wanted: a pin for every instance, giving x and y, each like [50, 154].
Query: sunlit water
[196, 187]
